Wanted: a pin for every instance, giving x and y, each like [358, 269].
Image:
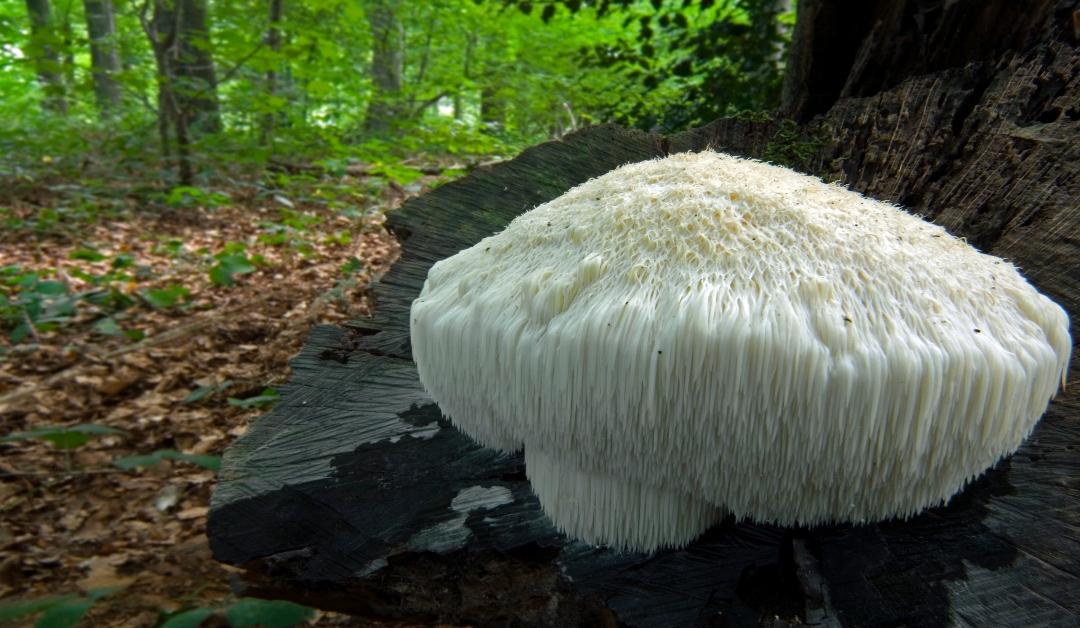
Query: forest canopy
[182, 87]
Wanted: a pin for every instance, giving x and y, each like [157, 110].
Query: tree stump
[354, 494]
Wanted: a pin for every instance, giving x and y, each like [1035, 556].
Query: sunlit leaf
[148, 460]
[266, 613]
[267, 397]
[63, 437]
[188, 619]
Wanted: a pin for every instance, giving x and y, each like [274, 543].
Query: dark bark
[492, 108]
[387, 66]
[196, 82]
[43, 47]
[852, 48]
[342, 497]
[163, 28]
[104, 54]
[273, 41]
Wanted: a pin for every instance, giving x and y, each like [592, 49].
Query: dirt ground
[72, 521]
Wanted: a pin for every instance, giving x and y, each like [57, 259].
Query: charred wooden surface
[354, 494]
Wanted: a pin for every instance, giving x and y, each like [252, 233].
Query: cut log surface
[354, 494]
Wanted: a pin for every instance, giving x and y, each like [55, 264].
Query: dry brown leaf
[196, 512]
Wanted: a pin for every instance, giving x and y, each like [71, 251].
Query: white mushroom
[701, 334]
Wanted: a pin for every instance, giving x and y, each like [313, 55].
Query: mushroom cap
[701, 334]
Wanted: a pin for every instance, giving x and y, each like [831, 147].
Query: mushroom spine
[698, 335]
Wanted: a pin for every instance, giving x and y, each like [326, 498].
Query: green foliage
[243, 613]
[231, 261]
[63, 437]
[479, 78]
[792, 146]
[267, 397]
[165, 298]
[351, 267]
[56, 611]
[148, 460]
[202, 392]
[266, 613]
[188, 196]
[32, 303]
[191, 618]
[65, 611]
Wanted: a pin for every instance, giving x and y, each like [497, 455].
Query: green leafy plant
[231, 261]
[63, 437]
[33, 304]
[56, 611]
[148, 460]
[244, 613]
[165, 298]
[189, 196]
[87, 254]
[351, 267]
[267, 397]
[202, 392]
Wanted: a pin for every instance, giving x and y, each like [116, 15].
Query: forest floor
[143, 347]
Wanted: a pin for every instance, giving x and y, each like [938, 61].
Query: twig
[30, 324]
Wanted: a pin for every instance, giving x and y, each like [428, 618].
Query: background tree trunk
[163, 30]
[466, 75]
[387, 66]
[492, 108]
[854, 48]
[43, 49]
[273, 41]
[196, 82]
[104, 54]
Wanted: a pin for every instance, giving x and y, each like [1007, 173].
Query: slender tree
[196, 80]
[104, 54]
[387, 66]
[46, 58]
[273, 40]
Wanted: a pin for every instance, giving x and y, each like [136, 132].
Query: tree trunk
[466, 68]
[854, 48]
[387, 67]
[273, 41]
[196, 82]
[104, 55]
[43, 49]
[492, 108]
[163, 30]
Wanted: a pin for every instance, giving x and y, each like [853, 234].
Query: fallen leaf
[192, 513]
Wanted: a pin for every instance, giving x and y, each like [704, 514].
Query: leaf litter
[126, 505]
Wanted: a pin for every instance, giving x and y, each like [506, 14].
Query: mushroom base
[605, 510]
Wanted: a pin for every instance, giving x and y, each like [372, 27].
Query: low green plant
[352, 266]
[128, 463]
[231, 261]
[166, 297]
[202, 392]
[184, 196]
[56, 611]
[243, 613]
[267, 397]
[63, 437]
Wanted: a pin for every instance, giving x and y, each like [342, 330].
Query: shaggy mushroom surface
[698, 335]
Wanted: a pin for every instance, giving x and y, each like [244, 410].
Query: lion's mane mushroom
[700, 335]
